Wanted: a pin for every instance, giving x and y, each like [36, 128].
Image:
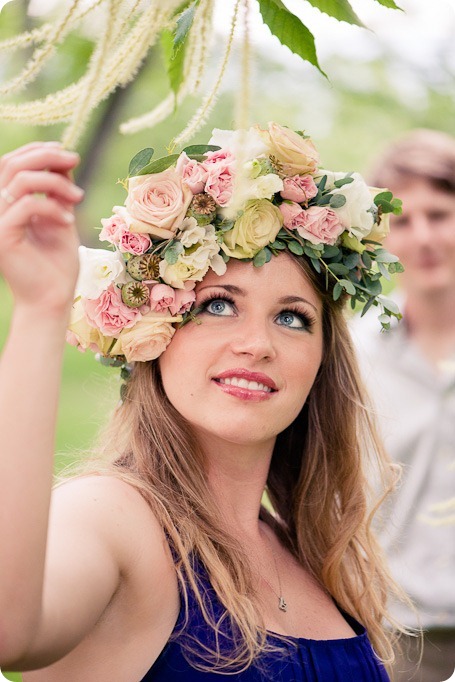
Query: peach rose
[158, 202]
[297, 154]
[257, 226]
[147, 339]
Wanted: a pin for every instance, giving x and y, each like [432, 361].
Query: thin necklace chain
[282, 604]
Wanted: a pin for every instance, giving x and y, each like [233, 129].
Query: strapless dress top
[298, 659]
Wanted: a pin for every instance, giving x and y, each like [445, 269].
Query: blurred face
[243, 374]
[424, 238]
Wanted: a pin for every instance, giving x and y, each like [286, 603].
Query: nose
[254, 339]
[421, 230]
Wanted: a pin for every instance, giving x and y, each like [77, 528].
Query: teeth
[244, 383]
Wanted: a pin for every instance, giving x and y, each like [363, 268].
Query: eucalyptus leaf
[200, 149]
[366, 259]
[367, 306]
[338, 268]
[325, 200]
[390, 305]
[330, 251]
[337, 291]
[337, 201]
[277, 245]
[289, 30]
[296, 248]
[383, 270]
[343, 181]
[383, 256]
[348, 286]
[316, 264]
[352, 260]
[322, 183]
[139, 161]
[383, 196]
[159, 165]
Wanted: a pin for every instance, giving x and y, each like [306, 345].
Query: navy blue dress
[298, 659]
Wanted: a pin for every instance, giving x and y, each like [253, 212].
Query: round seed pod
[135, 294]
[144, 267]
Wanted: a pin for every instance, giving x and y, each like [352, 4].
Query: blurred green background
[368, 100]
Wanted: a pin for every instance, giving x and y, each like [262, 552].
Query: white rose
[98, 268]
[244, 144]
[355, 215]
[247, 188]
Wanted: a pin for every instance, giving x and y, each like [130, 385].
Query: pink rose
[221, 172]
[162, 297]
[192, 173]
[159, 201]
[184, 299]
[299, 188]
[112, 229]
[133, 243]
[109, 314]
[317, 224]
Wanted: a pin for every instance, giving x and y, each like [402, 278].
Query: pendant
[282, 604]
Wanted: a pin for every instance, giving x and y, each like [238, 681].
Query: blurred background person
[410, 372]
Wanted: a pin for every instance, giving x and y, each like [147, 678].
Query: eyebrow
[233, 289]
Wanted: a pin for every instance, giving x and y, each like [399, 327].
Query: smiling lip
[246, 384]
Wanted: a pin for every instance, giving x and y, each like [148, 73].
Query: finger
[49, 158]
[26, 211]
[31, 146]
[52, 184]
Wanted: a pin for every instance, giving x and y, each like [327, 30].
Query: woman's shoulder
[117, 511]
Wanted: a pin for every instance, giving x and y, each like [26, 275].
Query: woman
[164, 565]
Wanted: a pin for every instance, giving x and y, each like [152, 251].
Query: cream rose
[381, 228]
[257, 226]
[87, 336]
[297, 154]
[158, 203]
[194, 263]
[147, 339]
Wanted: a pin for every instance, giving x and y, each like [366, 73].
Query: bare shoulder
[117, 509]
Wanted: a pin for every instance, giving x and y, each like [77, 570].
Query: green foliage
[159, 165]
[289, 30]
[174, 45]
[388, 3]
[140, 160]
[339, 9]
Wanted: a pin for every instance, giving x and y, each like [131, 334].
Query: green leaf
[339, 9]
[366, 258]
[159, 165]
[385, 320]
[352, 261]
[389, 305]
[316, 264]
[200, 149]
[225, 225]
[338, 268]
[277, 245]
[172, 252]
[296, 248]
[337, 291]
[183, 26]
[383, 256]
[383, 196]
[337, 201]
[383, 270]
[342, 182]
[371, 301]
[139, 161]
[348, 286]
[389, 3]
[322, 183]
[174, 62]
[330, 251]
[289, 30]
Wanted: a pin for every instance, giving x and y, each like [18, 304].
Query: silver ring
[6, 195]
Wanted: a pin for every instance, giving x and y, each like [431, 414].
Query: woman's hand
[38, 236]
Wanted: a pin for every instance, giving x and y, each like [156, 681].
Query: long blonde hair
[317, 485]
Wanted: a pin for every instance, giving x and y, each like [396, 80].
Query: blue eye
[219, 306]
[292, 320]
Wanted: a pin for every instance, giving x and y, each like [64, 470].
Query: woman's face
[243, 374]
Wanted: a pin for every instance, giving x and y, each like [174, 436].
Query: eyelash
[307, 320]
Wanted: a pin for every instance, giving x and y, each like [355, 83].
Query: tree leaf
[339, 9]
[183, 26]
[289, 30]
[140, 160]
[389, 3]
[159, 165]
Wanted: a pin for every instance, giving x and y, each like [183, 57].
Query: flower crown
[249, 194]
